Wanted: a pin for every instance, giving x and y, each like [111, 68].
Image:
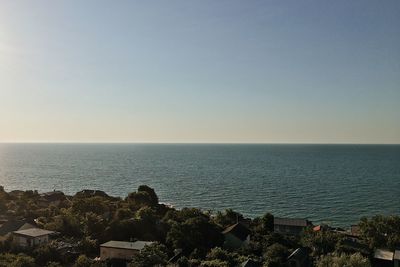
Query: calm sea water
[330, 183]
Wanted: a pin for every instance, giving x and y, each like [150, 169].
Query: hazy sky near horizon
[200, 71]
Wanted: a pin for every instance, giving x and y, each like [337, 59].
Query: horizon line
[194, 143]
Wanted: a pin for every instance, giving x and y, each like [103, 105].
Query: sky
[200, 71]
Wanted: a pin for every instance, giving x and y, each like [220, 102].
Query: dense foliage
[189, 236]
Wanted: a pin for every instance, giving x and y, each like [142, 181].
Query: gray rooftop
[137, 245]
[291, 222]
[34, 232]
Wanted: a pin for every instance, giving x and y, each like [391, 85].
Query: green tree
[45, 254]
[151, 255]
[124, 213]
[89, 246]
[321, 242]
[94, 225]
[268, 222]
[275, 255]
[217, 253]
[53, 264]
[98, 205]
[228, 217]
[380, 231]
[20, 260]
[150, 191]
[83, 261]
[354, 260]
[214, 263]
[194, 233]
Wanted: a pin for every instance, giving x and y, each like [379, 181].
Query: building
[31, 237]
[236, 236]
[396, 258]
[290, 226]
[299, 258]
[383, 258]
[10, 226]
[121, 250]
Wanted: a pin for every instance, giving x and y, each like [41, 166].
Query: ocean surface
[336, 184]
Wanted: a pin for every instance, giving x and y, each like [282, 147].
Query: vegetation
[190, 236]
[354, 260]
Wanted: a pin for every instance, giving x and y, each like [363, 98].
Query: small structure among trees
[31, 237]
[121, 249]
[236, 236]
[289, 226]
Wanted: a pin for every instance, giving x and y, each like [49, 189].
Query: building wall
[232, 241]
[116, 253]
[24, 241]
[40, 240]
[20, 241]
[288, 229]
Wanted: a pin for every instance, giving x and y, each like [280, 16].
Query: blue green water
[331, 183]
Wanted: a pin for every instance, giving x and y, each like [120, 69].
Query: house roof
[33, 232]
[291, 222]
[238, 230]
[137, 245]
[317, 228]
[383, 254]
[298, 254]
[11, 226]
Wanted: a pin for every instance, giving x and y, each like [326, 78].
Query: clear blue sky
[200, 71]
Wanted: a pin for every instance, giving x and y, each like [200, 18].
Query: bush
[152, 255]
[354, 260]
[83, 261]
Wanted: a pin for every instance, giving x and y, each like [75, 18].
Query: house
[236, 236]
[10, 226]
[121, 250]
[299, 258]
[31, 237]
[290, 226]
[396, 258]
[383, 258]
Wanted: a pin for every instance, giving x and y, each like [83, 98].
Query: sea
[334, 184]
